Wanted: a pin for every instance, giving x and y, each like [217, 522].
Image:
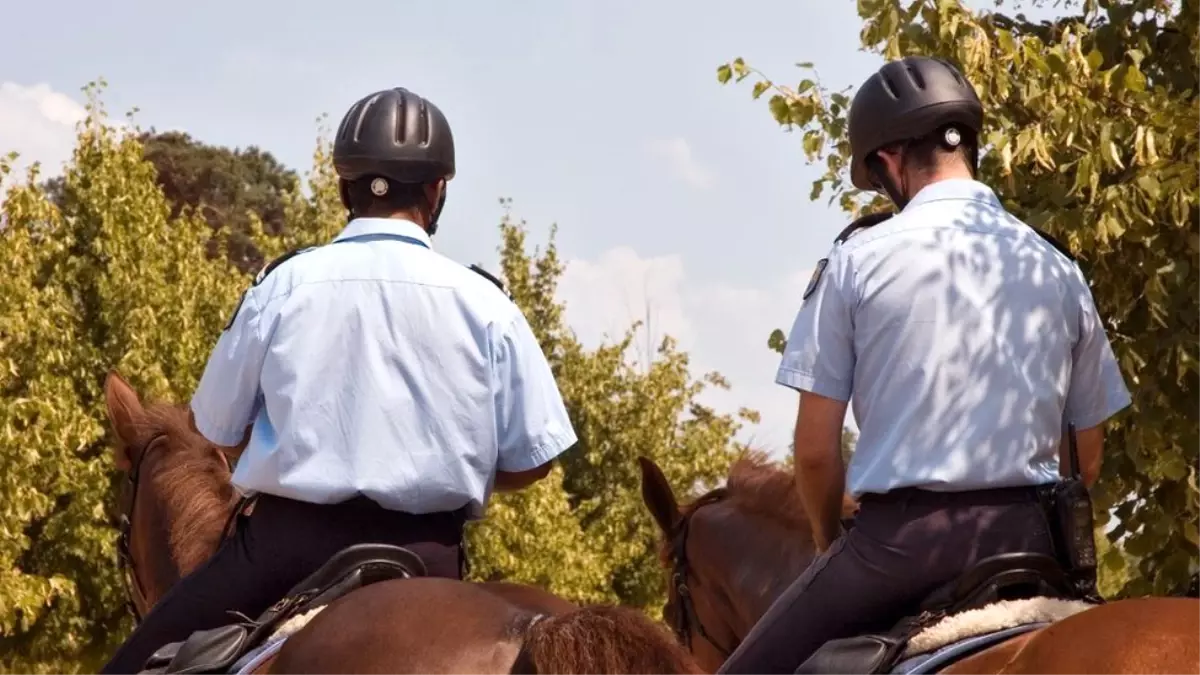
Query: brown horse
[737, 548]
[178, 501]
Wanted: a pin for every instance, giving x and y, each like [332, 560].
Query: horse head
[176, 496]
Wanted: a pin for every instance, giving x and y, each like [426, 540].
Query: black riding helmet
[397, 135]
[907, 99]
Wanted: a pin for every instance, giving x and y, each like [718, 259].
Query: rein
[134, 591]
[687, 618]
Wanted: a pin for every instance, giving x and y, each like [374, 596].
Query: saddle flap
[1000, 577]
[858, 654]
[160, 661]
[214, 651]
[206, 648]
[376, 562]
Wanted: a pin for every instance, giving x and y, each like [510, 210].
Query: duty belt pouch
[1070, 509]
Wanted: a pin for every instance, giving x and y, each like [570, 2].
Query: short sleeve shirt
[964, 341]
[375, 366]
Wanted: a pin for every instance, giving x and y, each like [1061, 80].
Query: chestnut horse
[744, 543]
[178, 518]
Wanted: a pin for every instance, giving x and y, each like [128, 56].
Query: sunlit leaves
[109, 279]
[1093, 132]
[584, 532]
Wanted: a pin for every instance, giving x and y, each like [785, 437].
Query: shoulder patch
[816, 277]
[492, 278]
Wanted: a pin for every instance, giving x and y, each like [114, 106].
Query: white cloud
[679, 158]
[39, 123]
[723, 327]
[606, 296]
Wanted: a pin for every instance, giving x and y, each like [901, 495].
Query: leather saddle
[218, 649]
[1009, 576]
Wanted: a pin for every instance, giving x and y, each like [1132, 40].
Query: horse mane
[193, 483]
[601, 639]
[759, 487]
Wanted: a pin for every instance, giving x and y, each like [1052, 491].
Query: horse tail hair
[601, 639]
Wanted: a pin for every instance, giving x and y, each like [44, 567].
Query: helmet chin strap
[878, 171]
[951, 138]
[437, 211]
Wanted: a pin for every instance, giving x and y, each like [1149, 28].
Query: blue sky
[675, 197]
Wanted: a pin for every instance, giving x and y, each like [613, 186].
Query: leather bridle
[686, 617]
[134, 591]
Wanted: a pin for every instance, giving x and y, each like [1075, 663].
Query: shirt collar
[954, 188]
[361, 227]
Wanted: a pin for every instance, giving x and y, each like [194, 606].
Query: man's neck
[408, 216]
[920, 180]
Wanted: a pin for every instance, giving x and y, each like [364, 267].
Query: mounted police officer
[968, 344]
[380, 391]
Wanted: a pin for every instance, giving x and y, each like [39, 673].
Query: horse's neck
[195, 527]
[769, 559]
[163, 558]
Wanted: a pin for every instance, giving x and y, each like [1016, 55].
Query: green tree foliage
[584, 532]
[104, 279]
[1093, 133]
[227, 188]
[849, 439]
[105, 271]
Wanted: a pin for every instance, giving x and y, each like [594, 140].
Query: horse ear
[124, 412]
[658, 496]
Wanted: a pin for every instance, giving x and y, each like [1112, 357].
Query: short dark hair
[400, 197]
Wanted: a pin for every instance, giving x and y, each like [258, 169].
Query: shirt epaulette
[1062, 248]
[869, 220]
[492, 278]
[258, 279]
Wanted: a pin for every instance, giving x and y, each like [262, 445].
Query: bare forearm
[511, 481]
[507, 482]
[232, 451]
[1090, 447]
[821, 482]
[820, 471]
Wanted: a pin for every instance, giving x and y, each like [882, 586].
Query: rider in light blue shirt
[968, 343]
[376, 366]
[377, 392]
[988, 330]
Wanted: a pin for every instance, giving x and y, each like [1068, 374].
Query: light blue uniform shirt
[964, 341]
[375, 366]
